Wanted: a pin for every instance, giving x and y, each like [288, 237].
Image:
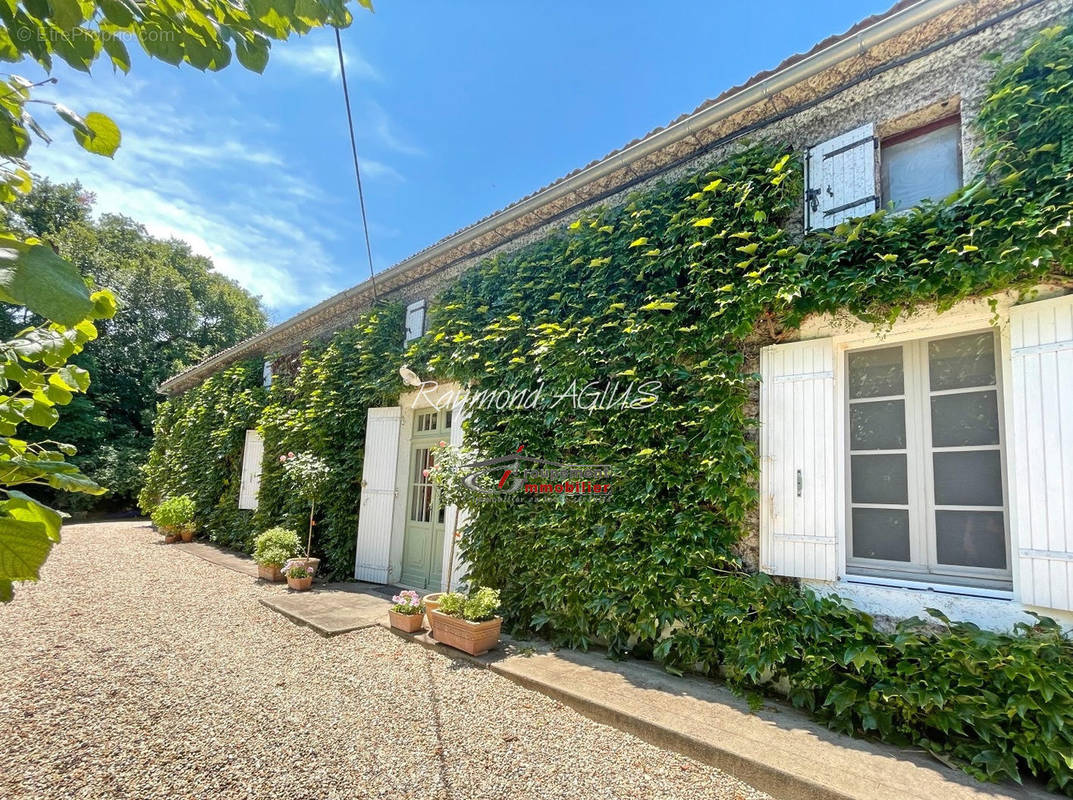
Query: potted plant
[309, 476]
[468, 622]
[298, 575]
[175, 517]
[407, 612]
[272, 549]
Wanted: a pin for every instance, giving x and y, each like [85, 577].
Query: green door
[422, 549]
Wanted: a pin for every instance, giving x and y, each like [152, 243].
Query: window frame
[923, 566]
[913, 133]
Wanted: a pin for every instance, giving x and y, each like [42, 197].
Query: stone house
[927, 465]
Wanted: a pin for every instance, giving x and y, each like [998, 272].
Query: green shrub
[479, 605]
[276, 546]
[452, 604]
[176, 514]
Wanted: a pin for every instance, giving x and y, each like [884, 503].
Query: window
[921, 164]
[925, 462]
[415, 321]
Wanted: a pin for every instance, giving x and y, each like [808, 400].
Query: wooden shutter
[841, 178]
[415, 320]
[377, 494]
[1041, 470]
[798, 446]
[266, 374]
[250, 483]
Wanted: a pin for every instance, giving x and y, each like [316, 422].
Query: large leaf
[24, 546]
[32, 275]
[103, 137]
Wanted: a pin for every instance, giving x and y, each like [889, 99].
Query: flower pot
[300, 584]
[269, 572]
[431, 602]
[474, 638]
[170, 538]
[188, 536]
[409, 623]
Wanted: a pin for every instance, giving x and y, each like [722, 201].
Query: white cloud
[322, 59]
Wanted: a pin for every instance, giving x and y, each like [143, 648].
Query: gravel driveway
[137, 671]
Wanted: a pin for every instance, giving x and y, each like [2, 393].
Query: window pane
[881, 533]
[968, 418]
[879, 479]
[926, 167]
[962, 361]
[877, 426]
[972, 478]
[876, 373]
[971, 538]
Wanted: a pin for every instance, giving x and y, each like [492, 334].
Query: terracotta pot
[474, 638]
[410, 623]
[188, 536]
[300, 584]
[170, 538]
[431, 602]
[270, 572]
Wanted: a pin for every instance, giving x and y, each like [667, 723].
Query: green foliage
[175, 514]
[451, 604]
[479, 605]
[176, 311]
[322, 411]
[276, 546]
[319, 411]
[198, 451]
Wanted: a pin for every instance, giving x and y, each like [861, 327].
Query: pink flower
[424, 473]
[290, 455]
[282, 459]
[443, 443]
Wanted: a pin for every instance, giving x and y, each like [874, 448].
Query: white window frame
[920, 472]
[848, 333]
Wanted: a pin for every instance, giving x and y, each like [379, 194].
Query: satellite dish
[409, 377]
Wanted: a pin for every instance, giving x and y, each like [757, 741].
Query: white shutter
[415, 320]
[1041, 340]
[798, 443]
[841, 178]
[456, 517]
[250, 484]
[377, 494]
[266, 374]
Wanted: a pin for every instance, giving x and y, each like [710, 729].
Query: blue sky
[461, 108]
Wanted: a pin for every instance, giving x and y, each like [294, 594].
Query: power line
[357, 169]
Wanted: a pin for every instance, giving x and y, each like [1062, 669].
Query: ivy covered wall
[676, 285]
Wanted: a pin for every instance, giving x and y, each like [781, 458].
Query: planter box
[270, 572]
[409, 623]
[474, 638]
[300, 584]
[431, 602]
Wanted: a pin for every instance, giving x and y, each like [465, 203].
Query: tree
[176, 311]
[34, 374]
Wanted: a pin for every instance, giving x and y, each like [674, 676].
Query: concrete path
[331, 608]
[219, 556]
[778, 749]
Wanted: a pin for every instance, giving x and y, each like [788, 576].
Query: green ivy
[198, 444]
[679, 285]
